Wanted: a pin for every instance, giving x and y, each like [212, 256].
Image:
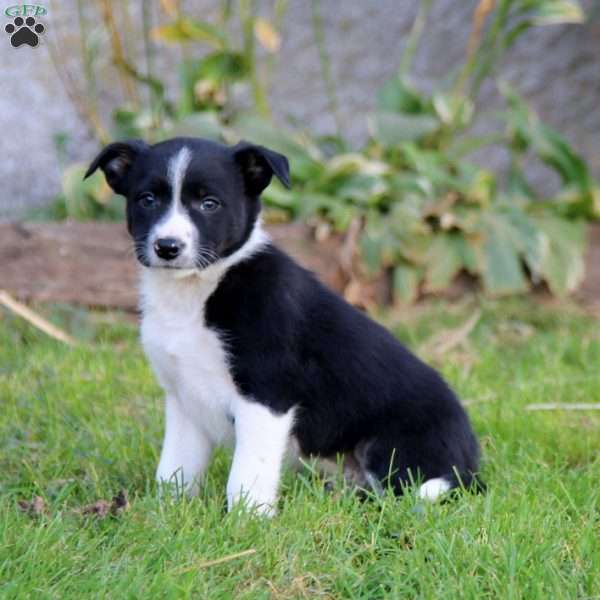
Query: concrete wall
[556, 68]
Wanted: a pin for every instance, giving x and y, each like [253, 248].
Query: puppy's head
[190, 202]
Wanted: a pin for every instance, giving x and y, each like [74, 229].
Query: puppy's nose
[168, 248]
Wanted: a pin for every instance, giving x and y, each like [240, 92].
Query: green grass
[78, 425]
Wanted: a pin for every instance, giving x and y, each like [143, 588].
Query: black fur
[293, 342]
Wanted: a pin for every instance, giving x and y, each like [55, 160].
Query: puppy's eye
[207, 204]
[148, 200]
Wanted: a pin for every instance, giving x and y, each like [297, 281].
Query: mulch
[92, 264]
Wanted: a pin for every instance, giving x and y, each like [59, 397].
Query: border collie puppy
[252, 350]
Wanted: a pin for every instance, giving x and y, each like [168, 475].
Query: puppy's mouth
[202, 259]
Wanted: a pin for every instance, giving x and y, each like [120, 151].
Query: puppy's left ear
[116, 161]
[259, 164]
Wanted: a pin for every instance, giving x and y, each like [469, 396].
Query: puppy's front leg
[186, 450]
[261, 442]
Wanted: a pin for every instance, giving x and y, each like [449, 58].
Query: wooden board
[92, 264]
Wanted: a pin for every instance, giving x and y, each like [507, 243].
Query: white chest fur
[203, 405]
[189, 359]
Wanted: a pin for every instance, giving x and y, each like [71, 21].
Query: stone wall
[556, 68]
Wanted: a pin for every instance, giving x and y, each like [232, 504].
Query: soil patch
[92, 264]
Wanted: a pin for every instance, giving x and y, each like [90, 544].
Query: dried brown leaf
[451, 338]
[35, 507]
[103, 508]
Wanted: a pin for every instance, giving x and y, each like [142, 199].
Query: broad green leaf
[557, 12]
[188, 76]
[129, 123]
[392, 129]
[406, 283]
[446, 257]
[554, 150]
[481, 187]
[408, 183]
[397, 95]
[372, 242]
[528, 240]
[517, 185]
[203, 124]
[87, 199]
[503, 272]
[462, 146]
[354, 162]
[443, 264]
[432, 166]
[445, 107]
[562, 265]
[223, 64]
[277, 195]
[311, 203]
[305, 158]
[360, 188]
[414, 247]
[341, 215]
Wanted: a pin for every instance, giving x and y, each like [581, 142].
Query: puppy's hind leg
[185, 453]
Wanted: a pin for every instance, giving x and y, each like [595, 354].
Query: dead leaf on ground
[449, 339]
[514, 331]
[103, 508]
[35, 507]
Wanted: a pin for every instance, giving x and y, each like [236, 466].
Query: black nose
[168, 248]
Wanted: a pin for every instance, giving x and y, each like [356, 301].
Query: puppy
[252, 350]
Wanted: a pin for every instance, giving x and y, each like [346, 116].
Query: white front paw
[175, 484]
[248, 502]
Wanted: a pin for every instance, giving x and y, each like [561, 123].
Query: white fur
[176, 223]
[434, 488]
[261, 442]
[202, 401]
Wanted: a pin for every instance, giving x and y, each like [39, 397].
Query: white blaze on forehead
[177, 223]
[176, 170]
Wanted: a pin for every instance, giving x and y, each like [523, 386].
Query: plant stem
[261, 102]
[85, 56]
[475, 44]
[279, 10]
[90, 94]
[118, 53]
[86, 111]
[325, 61]
[154, 95]
[413, 37]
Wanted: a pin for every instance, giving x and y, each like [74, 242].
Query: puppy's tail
[432, 489]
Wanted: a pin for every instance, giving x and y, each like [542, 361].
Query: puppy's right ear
[115, 161]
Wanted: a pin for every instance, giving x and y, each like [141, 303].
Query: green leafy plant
[427, 211]
[430, 213]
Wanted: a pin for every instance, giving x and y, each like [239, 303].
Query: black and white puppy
[253, 351]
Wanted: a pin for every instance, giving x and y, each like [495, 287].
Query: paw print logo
[24, 31]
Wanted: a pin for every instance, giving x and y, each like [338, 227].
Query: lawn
[78, 425]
